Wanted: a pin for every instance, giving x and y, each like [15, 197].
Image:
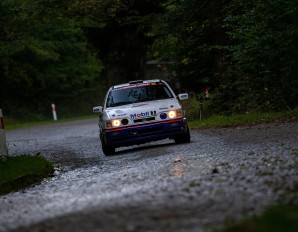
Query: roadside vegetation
[245, 119]
[17, 172]
[192, 113]
[19, 123]
[278, 218]
[69, 52]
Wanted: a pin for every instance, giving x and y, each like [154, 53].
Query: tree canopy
[245, 52]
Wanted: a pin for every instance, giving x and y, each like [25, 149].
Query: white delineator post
[3, 145]
[54, 112]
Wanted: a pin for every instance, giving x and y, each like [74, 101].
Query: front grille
[144, 120]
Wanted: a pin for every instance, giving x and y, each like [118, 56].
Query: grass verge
[278, 218]
[245, 119]
[14, 124]
[17, 172]
[212, 121]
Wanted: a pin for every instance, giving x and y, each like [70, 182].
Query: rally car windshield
[134, 94]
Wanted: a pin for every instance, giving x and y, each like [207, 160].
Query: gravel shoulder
[223, 174]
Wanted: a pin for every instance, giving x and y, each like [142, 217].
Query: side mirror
[97, 109]
[183, 96]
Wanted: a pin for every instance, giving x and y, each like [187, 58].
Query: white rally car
[140, 112]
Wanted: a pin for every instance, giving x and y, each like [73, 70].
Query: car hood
[143, 109]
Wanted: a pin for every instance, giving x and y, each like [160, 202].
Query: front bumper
[145, 133]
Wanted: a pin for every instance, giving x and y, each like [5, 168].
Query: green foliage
[261, 56]
[245, 52]
[189, 35]
[277, 218]
[45, 57]
[249, 118]
[66, 52]
[19, 123]
[192, 106]
[20, 171]
[55, 51]
[122, 35]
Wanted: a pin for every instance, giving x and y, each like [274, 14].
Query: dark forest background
[244, 52]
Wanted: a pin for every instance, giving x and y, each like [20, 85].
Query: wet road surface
[223, 174]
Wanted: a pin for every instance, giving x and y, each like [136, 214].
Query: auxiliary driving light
[172, 114]
[124, 121]
[116, 123]
[163, 115]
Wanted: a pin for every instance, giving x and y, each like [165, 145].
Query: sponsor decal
[119, 115]
[139, 105]
[130, 87]
[140, 115]
[134, 86]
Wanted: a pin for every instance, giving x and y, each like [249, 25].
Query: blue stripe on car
[145, 133]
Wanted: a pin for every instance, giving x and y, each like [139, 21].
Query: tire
[184, 138]
[107, 150]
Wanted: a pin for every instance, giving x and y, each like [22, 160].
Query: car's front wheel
[107, 150]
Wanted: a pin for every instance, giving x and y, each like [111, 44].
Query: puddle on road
[177, 169]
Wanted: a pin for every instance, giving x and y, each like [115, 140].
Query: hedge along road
[222, 174]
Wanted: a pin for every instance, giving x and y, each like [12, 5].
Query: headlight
[172, 114]
[116, 123]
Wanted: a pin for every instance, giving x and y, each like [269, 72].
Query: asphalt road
[222, 175]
